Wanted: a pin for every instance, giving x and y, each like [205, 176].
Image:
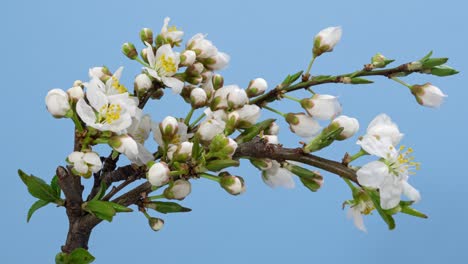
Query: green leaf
[443, 70]
[217, 165]
[55, 186]
[120, 208]
[167, 207]
[376, 201]
[101, 192]
[426, 57]
[321, 78]
[34, 207]
[254, 131]
[39, 188]
[292, 78]
[406, 209]
[432, 62]
[101, 209]
[357, 80]
[77, 256]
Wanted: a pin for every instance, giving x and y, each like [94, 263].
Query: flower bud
[262, 164]
[102, 73]
[169, 127]
[179, 190]
[303, 125]
[156, 223]
[218, 62]
[273, 129]
[198, 98]
[271, 139]
[322, 106]
[237, 98]
[379, 61]
[350, 126]
[232, 184]
[218, 81]
[326, 40]
[210, 128]
[180, 152]
[428, 95]
[142, 83]
[187, 58]
[144, 54]
[146, 36]
[84, 164]
[57, 103]
[158, 174]
[195, 69]
[126, 145]
[75, 93]
[248, 115]
[256, 87]
[129, 50]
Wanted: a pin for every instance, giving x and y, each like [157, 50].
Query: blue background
[49, 44]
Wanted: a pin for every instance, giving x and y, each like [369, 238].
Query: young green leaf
[101, 209]
[217, 165]
[120, 208]
[55, 186]
[406, 209]
[77, 256]
[254, 131]
[101, 192]
[34, 207]
[167, 207]
[376, 201]
[39, 188]
[443, 70]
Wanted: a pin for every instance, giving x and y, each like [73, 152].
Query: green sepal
[407, 209]
[323, 140]
[217, 165]
[77, 256]
[357, 80]
[197, 149]
[309, 179]
[34, 207]
[292, 78]
[254, 131]
[443, 70]
[39, 188]
[376, 201]
[310, 184]
[167, 207]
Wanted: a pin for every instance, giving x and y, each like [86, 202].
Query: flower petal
[85, 112]
[176, 84]
[410, 192]
[372, 174]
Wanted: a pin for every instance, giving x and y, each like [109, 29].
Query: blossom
[277, 176]
[163, 65]
[428, 95]
[303, 125]
[158, 174]
[210, 128]
[106, 113]
[202, 47]
[357, 209]
[257, 87]
[111, 85]
[218, 62]
[322, 106]
[84, 163]
[57, 103]
[326, 40]
[139, 131]
[382, 126]
[171, 34]
[390, 173]
[350, 126]
[248, 115]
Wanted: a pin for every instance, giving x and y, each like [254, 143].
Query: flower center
[172, 29]
[166, 65]
[109, 113]
[404, 162]
[118, 86]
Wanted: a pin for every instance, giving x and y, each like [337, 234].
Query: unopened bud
[326, 40]
[179, 190]
[142, 83]
[379, 61]
[350, 126]
[232, 184]
[169, 127]
[57, 103]
[198, 98]
[256, 87]
[428, 95]
[187, 57]
[129, 50]
[273, 129]
[75, 93]
[146, 36]
[218, 81]
[262, 164]
[158, 174]
[156, 223]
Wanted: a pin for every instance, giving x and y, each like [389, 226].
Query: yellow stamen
[118, 86]
[167, 64]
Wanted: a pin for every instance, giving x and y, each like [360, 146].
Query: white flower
[171, 33]
[111, 86]
[187, 57]
[75, 93]
[356, 211]
[218, 62]
[277, 176]
[158, 174]
[97, 72]
[303, 125]
[221, 96]
[106, 113]
[248, 114]
[257, 87]
[232, 146]
[210, 128]
[350, 126]
[389, 174]
[326, 40]
[202, 47]
[142, 83]
[85, 163]
[140, 127]
[322, 106]
[57, 103]
[382, 126]
[198, 97]
[232, 184]
[163, 65]
[179, 190]
[428, 95]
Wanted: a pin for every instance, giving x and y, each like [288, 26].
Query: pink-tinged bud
[256, 87]
[326, 40]
[179, 190]
[428, 95]
[158, 174]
